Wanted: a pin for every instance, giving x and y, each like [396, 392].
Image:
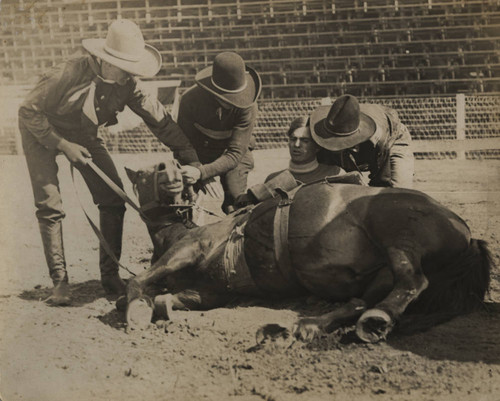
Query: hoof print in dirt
[273, 333]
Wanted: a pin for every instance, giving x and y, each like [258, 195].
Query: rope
[96, 230]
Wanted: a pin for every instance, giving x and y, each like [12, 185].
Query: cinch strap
[280, 234]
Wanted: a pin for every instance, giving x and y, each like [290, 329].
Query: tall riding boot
[111, 223]
[52, 239]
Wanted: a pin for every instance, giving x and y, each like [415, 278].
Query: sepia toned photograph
[279, 200]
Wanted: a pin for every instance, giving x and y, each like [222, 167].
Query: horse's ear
[132, 175]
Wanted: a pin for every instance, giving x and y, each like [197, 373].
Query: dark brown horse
[381, 251]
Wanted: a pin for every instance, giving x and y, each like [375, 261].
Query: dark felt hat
[230, 80]
[341, 125]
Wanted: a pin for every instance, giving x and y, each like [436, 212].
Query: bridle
[181, 212]
[164, 212]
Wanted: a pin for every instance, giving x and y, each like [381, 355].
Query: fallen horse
[381, 252]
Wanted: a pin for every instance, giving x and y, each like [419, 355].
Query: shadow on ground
[467, 338]
[81, 293]
[114, 319]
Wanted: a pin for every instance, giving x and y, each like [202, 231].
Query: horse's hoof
[374, 325]
[139, 313]
[163, 307]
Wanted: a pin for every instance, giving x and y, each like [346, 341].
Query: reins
[96, 230]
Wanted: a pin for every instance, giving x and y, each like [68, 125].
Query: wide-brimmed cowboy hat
[230, 80]
[341, 125]
[124, 48]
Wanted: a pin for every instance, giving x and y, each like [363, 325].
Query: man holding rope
[62, 114]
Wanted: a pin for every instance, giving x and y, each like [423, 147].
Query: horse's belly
[338, 283]
[336, 266]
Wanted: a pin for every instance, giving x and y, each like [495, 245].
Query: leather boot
[53, 247]
[111, 224]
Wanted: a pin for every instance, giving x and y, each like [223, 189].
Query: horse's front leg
[139, 306]
[409, 282]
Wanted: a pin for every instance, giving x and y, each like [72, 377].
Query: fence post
[460, 123]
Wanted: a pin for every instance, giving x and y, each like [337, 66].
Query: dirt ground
[83, 352]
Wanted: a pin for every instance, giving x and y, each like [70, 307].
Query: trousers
[43, 171]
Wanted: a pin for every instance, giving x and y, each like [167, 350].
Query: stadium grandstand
[435, 61]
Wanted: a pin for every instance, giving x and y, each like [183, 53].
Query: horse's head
[159, 186]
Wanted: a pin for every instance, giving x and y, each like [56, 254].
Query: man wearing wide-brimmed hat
[364, 137]
[218, 116]
[62, 114]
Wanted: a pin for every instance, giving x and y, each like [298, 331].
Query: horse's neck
[163, 236]
[170, 229]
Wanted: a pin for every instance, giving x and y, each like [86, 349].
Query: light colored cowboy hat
[124, 48]
[341, 125]
[230, 80]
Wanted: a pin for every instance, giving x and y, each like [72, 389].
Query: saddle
[281, 202]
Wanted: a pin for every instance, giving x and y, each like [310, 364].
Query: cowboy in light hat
[218, 115]
[364, 137]
[62, 114]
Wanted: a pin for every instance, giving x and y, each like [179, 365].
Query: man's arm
[161, 124]
[238, 144]
[43, 98]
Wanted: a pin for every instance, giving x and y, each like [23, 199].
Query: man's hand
[190, 174]
[75, 153]
[245, 199]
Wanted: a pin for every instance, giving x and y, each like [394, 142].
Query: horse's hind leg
[409, 282]
[346, 314]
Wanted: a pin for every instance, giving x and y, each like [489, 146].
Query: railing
[457, 126]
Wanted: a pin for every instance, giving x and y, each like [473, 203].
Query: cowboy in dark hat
[218, 116]
[62, 114]
[364, 137]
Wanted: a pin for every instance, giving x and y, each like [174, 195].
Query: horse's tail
[458, 287]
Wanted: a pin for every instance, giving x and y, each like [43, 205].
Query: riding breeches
[43, 169]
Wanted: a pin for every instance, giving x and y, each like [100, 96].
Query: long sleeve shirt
[55, 108]
[220, 136]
